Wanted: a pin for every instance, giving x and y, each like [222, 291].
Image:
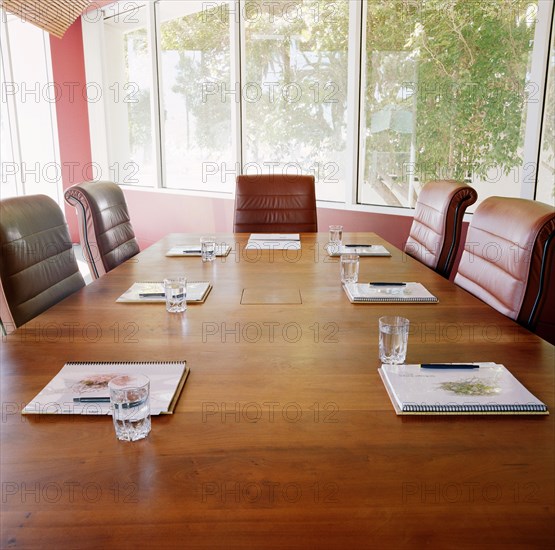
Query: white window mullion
[155, 100]
[355, 108]
[240, 63]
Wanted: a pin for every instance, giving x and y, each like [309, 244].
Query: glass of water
[176, 294]
[208, 249]
[394, 336]
[130, 404]
[336, 235]
[349, 265]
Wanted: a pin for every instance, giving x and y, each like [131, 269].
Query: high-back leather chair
[435, 233]
[509, 261]
[37, 265]
[275, 203]
[105, 229]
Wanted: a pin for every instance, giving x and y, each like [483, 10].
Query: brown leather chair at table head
[509, 261]
[105, 229]
[435, 234]
[275, 203]
[37, 268]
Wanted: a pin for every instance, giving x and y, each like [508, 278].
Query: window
[196, 111]
[295, 91]
[374, 98]
[30, 161]
[128, 89]
[445, 98]
[545, 190]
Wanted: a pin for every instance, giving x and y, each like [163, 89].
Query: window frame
[355, 109]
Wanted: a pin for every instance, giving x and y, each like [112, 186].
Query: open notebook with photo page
[478, 388]
[82, 388]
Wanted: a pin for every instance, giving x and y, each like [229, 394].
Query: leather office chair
[435, 233]
[105, 230]
[275, 203]
[509, 261]
[38, 268]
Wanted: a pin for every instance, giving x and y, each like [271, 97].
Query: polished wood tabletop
[284, 435]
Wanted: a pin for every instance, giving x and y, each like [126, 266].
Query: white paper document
[274, 241]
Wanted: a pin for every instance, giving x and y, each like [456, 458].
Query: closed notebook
[409, 292]
[222, 249]
[362, 250]
[153, 292]
[488, 389]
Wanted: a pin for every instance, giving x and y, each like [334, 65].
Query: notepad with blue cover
[406, 293]
[488, 389]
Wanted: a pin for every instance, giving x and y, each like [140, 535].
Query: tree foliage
[453, 72]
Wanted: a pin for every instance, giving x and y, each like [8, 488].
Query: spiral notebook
[82, 388]
[408, 292]
[222, 249]
[153, 292]
[487, 389]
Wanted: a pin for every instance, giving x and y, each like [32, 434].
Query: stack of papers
[274, 241]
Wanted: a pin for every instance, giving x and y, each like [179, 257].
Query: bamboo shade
[53, 16]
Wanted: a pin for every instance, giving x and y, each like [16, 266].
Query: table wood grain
[284, 436]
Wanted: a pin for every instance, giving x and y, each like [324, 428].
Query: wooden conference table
[284, 436]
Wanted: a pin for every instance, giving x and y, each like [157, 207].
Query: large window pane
[196, 108]
[29, 158]
[445, 96]
[295, 91]
[545, 191]
[128, 89]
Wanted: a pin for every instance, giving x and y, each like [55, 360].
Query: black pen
[447, 366]
[387, 284]
[91, 399]
[152, 295]
[358, 245]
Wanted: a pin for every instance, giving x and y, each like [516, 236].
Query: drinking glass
[349, 268]
[176, 294]
[208, 249]
[394, 335]
[130, 404]
[336, 235]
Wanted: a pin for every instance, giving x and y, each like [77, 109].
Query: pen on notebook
[380, 283]
[358, 245]
[91, 399]
[447, 366]
[152, 294]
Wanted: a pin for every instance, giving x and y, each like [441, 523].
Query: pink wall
[68, 67]
[156, 214]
